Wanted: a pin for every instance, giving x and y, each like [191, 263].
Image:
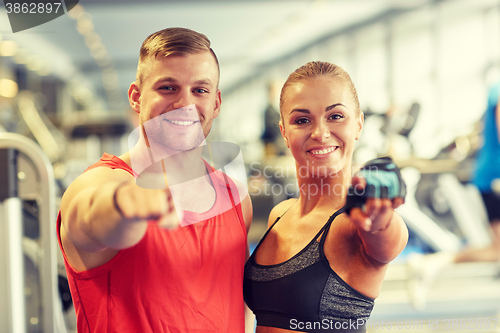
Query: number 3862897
[32, 8]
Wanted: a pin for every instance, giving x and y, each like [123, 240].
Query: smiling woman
[321, 123]
[305, 270]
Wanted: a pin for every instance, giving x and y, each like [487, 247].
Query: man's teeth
[323, 151]
[181, 122]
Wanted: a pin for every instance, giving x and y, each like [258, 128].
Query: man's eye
[200, 91]
[166, 88]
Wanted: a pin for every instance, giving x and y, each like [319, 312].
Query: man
[137, 262]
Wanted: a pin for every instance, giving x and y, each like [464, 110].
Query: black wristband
[115, 203]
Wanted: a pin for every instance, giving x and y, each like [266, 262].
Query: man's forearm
[106, 224]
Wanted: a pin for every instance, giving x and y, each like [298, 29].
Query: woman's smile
[322, 151]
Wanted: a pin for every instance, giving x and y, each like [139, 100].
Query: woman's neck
[323, 191]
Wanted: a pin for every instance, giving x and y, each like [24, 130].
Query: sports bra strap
[328, 224]
[279, 217]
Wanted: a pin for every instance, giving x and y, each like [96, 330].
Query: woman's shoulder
[279, 210]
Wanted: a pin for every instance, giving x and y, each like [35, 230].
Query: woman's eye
[336, 116]
[302, 121]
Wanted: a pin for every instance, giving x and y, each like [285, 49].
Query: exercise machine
[29, 283]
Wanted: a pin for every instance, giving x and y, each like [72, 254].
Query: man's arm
[103, 211]
[247, 210]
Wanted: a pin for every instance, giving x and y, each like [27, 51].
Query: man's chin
[174, 149]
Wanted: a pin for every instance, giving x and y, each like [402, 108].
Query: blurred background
[422, 68]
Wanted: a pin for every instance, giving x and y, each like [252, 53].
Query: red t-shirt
[187, 280]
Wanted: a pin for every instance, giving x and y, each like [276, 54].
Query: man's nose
[183, 99]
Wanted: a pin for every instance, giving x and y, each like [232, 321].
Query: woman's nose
[321, 132]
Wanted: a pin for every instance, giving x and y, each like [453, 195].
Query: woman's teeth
[323, 151]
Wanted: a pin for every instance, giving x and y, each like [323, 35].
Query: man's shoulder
[111, 162]
[232, 183]
[105, 170]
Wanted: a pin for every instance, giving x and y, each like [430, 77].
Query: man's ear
[361, 120]
[218, 102]
[134, 97]
[282, 130]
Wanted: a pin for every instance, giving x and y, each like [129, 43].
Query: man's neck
[178, 167]
[184, 166]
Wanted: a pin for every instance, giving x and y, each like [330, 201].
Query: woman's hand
[376, 191]
[376, 214]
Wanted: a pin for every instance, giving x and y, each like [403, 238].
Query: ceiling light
[99, 53]
[85, 23]
[8, 48]
[92, 40]
[8, 88]
[76, 11]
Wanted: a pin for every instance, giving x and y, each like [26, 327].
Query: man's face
[178, 100]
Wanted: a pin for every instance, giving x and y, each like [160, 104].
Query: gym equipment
[29, 178]
[439, 210]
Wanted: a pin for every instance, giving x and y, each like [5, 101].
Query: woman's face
[320, 125]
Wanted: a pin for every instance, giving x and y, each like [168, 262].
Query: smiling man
[155, 240]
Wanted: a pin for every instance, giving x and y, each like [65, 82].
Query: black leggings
[492, 203]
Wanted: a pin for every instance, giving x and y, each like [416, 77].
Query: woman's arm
[382, 231]
[384, 235]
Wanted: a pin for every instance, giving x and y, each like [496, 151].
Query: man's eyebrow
[174, 80]
[166, 79]
[203, 81]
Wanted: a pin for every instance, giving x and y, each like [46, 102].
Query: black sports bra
[304, 293]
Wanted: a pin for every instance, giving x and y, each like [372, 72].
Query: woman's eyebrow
[333, 106]
[328, 108]
[300, 110]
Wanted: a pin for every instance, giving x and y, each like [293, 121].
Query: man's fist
[134, 202]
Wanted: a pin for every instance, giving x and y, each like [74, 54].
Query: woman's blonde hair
[314, 69]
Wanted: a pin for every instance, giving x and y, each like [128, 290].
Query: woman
[314, 271]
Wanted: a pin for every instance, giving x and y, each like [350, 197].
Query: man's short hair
[171, 41]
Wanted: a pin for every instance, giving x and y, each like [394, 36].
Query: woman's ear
[282, 130]
[361, 120]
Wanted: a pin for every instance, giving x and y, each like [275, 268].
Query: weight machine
[26, 174]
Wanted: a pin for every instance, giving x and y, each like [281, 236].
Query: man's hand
[105, 209]
[137, 203]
